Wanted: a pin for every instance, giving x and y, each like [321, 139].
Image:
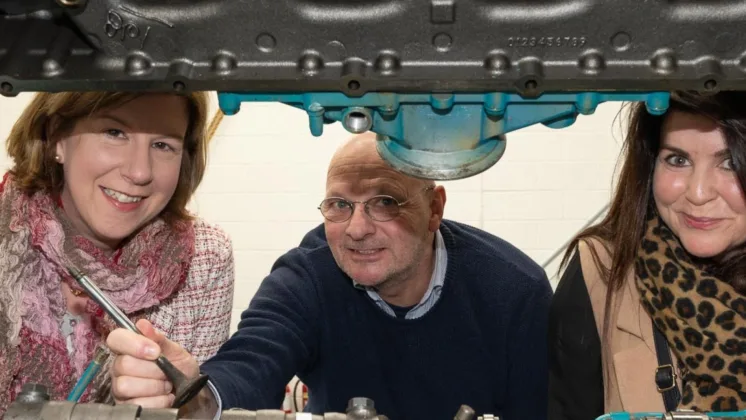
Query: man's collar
[436, 280]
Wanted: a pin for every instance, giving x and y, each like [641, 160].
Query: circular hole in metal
[711, 84]
[353, 85]
[6, 87]
[357, 122]
[179, 86]
[531, 84]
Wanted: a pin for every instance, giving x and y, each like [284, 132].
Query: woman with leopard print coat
[649, 313]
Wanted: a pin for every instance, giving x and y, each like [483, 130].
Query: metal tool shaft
[97, 295]
[184, 388]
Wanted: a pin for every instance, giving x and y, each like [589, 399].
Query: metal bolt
[32, 393]
[464, 413]
[361, 402]
[360, 408]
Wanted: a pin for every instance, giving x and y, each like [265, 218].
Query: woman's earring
[57, 158]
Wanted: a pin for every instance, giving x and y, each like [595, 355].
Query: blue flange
[442, 136]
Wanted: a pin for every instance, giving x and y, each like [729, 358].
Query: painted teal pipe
[90, 372]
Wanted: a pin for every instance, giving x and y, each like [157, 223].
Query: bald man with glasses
[385, 300]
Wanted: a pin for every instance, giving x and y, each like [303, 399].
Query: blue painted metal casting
[676, 415]
[442, 135]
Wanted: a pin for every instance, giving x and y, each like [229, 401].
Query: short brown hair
[31, 145]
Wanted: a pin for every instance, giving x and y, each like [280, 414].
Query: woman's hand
[135, 378]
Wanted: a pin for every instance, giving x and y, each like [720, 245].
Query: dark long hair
[621, 231]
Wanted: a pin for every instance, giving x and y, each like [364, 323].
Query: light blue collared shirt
[433, 291]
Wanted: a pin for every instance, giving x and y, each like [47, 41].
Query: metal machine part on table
[441, 82]
[33, 404]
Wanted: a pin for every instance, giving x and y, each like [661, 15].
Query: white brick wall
[266, 177]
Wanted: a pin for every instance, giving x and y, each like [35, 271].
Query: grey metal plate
[357, 46]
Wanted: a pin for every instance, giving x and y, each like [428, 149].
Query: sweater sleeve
[527, 375]
[575, 377]
[276, 338]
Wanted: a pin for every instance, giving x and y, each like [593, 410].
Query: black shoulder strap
[665, 374]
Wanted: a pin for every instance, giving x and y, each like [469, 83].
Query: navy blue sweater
[482, 344]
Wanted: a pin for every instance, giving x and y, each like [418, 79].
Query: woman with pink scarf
[101, 182]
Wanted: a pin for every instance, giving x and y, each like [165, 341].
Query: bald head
[388, 253]
[359, 155]
[359, 149]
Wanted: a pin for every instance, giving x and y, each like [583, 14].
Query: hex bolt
[360, 408]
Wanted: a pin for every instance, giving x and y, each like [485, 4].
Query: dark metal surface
[357, 46]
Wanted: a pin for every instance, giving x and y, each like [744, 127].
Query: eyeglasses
[380, 208]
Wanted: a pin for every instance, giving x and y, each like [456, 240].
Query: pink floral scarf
[36, 245]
